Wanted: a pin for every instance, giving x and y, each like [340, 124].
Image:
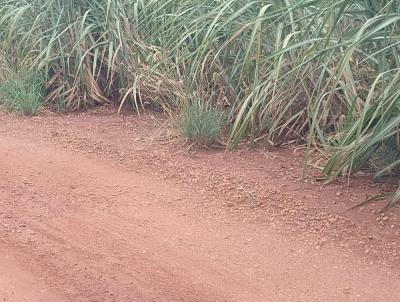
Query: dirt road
[79, 226]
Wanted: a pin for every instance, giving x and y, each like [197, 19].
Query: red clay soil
[96, 207]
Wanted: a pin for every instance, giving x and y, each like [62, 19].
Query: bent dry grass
[316, 71]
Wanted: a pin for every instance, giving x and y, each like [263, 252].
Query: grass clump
[200, 124]
[22, 93]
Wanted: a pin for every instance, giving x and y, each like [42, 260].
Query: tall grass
[88, 50]
[318, 71]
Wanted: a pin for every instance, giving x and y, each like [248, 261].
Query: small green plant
[22, 93]
[200, 124]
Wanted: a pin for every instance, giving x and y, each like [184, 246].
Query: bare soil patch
[99, 207]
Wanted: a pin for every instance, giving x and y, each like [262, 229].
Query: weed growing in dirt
[22, 93]
[200, 124]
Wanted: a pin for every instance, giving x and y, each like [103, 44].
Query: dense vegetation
[318, 71]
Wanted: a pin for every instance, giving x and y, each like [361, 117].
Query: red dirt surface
[96, 207]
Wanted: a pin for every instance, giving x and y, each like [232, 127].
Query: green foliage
[320, 71]
[201, 124]
[22, 93]
[324, 72]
